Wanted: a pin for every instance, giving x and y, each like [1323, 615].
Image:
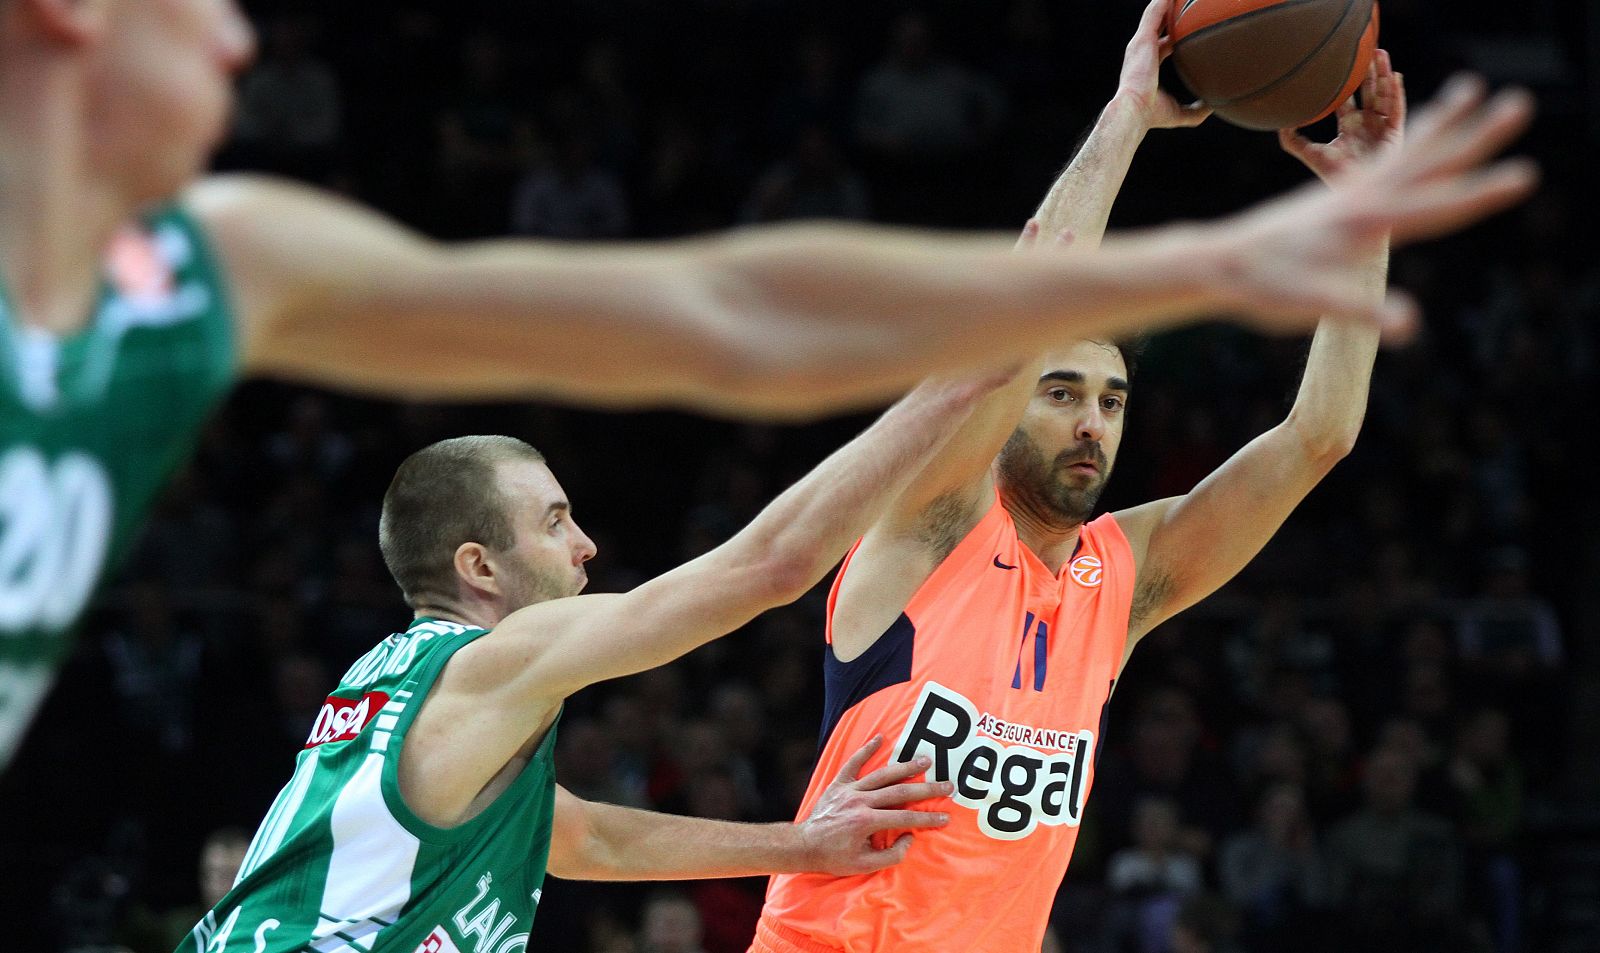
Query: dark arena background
[1420, 638]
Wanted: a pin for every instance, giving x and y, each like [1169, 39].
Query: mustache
[1083, 453]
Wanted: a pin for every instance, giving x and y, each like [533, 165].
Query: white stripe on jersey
[370, 867]
[279, 818]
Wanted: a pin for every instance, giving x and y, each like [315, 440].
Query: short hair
[442, 496]
[1131, 349]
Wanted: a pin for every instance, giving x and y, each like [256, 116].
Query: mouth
[1084, 467]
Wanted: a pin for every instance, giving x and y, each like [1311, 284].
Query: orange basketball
[1271, 64]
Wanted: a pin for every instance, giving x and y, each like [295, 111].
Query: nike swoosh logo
[1000, 565]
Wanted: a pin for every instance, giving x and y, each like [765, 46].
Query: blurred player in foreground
[133, 294]
[985, 620]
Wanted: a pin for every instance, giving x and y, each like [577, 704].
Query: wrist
[1129, 110]
[795, 851]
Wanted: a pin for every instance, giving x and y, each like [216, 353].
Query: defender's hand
[1375, 127]
[1141, 68]
[838, 834]
[1296, 259]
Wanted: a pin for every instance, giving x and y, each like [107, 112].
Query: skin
[107, 106]
[498, 696]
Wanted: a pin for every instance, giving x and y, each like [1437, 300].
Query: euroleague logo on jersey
[1087, 571]
[341, 719]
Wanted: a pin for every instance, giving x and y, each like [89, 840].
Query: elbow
[1325, 445]
[789, 573]
[1326, 450]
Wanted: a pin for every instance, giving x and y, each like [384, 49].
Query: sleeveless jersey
[341, 864]
[1000, 671]
[91, 426]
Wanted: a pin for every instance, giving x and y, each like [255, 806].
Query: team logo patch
[438, 942]
[341, 719]
[136, 268]
[1087, 571]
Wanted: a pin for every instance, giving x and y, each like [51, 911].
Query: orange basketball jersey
[1000, 671]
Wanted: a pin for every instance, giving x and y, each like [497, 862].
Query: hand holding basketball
[1376, 125]
[1141, 66]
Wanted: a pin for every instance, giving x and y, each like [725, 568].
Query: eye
[1059, 394]
[1112, 404]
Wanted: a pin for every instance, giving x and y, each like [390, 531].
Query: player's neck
[477, 616]
[1044, 532]
[55, 218]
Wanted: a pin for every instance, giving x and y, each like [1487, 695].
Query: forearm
[1332, 400]
[1080, 201]
[830, 304]
[808, 528]
[626, 844]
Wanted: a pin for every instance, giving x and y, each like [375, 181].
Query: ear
[474, 569]
[70, 22]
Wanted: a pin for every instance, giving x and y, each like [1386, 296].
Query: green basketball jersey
[341, 864]
[91, 425]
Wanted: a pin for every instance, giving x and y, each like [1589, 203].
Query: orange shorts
[774, 937]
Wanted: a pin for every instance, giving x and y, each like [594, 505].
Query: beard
[1038, 482]
[533, 586]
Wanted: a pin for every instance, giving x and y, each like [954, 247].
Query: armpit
[1150, 593]
[943, 523]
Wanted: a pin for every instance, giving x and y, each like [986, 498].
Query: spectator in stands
[1274, 872]
[1395, 870]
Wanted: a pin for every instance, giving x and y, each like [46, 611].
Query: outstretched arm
[794, 320]
[594, 841]
[498, 692]
[1189, 546]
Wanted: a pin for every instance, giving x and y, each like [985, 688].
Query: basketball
[1273, 64]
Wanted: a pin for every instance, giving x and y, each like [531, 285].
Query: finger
[1369, 85]
[1065, 238]
[889, 856]
[1459, 97]
[1193, 114]
[908, 820]
[1481, 135]
[898, 794]
[1431, 210]
[1347, 109]
[1397, 109]
[1296, 144]
[1155, 13]
[1030, 234]
[1400, 319]
[894, 772]
[857, 761]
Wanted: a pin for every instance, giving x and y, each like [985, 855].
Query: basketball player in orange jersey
[985, 620]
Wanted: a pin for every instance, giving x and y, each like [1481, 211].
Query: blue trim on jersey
[846, 684]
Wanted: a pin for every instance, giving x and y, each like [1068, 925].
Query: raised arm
[594, 841]
[500, 691]
[944, 502]
[792, 320]
[1189, 546]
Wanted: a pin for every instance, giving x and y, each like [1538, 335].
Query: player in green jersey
[423, 810]
[132, 293]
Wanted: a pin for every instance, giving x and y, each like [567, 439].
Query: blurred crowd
[1345, 749]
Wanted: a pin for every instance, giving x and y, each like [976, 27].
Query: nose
[236, 38]
[584, 549]
[1091, 426]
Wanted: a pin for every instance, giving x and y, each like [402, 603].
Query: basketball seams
[1289, 74]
